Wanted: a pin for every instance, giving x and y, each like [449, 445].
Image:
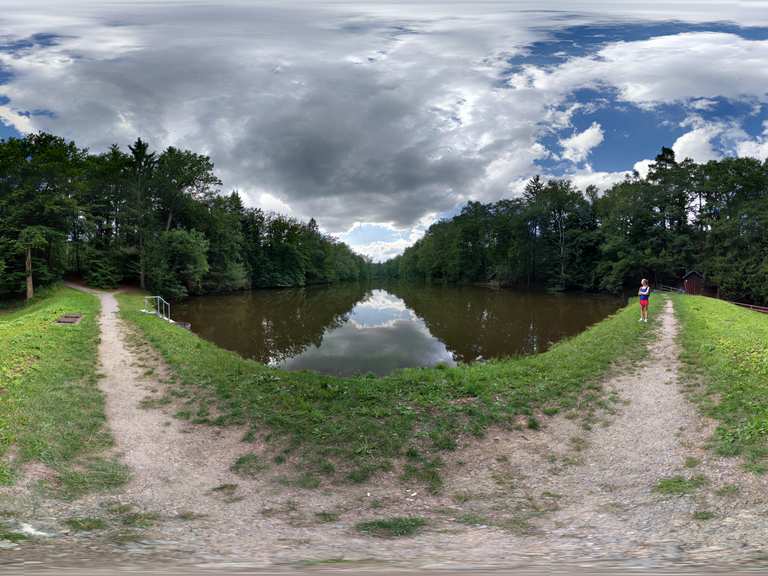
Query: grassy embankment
[362, 424]
[51, 410]
[725, 353]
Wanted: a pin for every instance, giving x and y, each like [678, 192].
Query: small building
[693, 282]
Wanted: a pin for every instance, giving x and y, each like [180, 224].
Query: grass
[10, 536]
[724, 349]
[703, 515]
[396, 527]
[326, 517]
[728, 490]
[249, 466]
[95, 476]
[691, 462]
[51, 410]
[679, 485]
[85, 524]
[363, 423]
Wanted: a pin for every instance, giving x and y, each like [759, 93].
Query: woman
[645, 294]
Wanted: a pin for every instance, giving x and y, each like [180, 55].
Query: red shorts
[643, 303]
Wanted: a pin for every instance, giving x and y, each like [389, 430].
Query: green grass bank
[725, 354]
[51, 410]
[349, 428]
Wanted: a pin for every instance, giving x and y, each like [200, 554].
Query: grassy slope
[726, 347]
[365, 422]
[51, 410]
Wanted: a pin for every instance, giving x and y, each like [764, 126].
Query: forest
[681, 216]
[157, 220]
[161, 221]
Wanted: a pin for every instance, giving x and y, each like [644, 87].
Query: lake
[352, 329]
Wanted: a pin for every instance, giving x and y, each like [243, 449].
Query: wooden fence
[762, 309]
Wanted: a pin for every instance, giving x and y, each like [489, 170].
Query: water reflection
[351, 329]
[381, 335]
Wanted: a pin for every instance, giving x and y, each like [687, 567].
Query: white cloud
[755, 148]
[642, 167]
[697, 144]
[664, 69]
[576, 148]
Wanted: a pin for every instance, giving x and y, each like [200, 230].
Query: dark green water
[351, 329]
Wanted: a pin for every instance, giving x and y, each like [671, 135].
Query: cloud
[600, 179]
[664, 69]
[576, 148]
[697, 144]
[754, 147]
[365, 112]
[332, 113]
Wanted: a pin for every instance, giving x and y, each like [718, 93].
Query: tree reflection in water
[351, 329]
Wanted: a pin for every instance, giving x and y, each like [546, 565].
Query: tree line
[681, 216]
[158, 220]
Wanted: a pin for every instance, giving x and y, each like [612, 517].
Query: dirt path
[561, 494]
[612, 504]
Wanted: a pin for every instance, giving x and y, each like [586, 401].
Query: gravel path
[562, 494]
[611, 506]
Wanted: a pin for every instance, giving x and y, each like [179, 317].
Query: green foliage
[85, 524]
[177, 262]
[156, 219]
[249, 465]
[711, 217]
[51, 410]
[679, 485]
[362, 423]
[724, 348]
[397, 527]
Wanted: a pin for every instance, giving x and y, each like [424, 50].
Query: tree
[31, 238]
[142, 164]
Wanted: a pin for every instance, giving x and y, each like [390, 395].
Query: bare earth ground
[578, 491]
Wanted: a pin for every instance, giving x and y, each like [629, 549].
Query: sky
[376, 118]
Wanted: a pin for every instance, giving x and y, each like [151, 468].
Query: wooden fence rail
[762, 309]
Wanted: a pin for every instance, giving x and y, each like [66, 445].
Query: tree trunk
[30, 285]
[142, 282]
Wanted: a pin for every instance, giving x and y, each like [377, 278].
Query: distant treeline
[156, 220]
[710, 217]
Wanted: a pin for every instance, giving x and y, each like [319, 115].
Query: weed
[326, 517]
[140, 519]
[249, 466]
[462, 497]
[11, 536]
[691, 462]
[85, 524]
[188, 515]
[226, 489]
[703, 515]
[679, 485]
[728, 490]
[95, 476]
[392, 527]
[473, 519]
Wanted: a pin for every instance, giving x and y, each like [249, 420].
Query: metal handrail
[664, 288]
[160, 307]
[763, 309]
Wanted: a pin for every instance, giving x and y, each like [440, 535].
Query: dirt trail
[170, 467]
[611, 505]
[606, 508]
